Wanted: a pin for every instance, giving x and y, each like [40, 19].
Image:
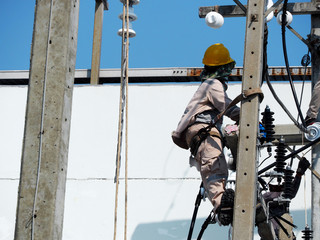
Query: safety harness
[207, 131]
[200, 137]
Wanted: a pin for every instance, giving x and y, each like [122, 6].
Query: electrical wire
[266, 78]
[301, 95]
[302, 128]
[265, 159]
[284, 45]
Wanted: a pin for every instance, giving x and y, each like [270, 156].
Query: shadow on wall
[178, 230]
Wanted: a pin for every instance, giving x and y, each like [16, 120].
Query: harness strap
[243, 96]
[205, 132]
[201, 136]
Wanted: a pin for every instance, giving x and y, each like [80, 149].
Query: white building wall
[162, 187]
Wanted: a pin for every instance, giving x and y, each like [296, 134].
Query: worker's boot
[225, 210]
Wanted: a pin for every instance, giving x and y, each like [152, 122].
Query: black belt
[201, 136]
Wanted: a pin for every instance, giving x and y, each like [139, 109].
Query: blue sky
[169, 34]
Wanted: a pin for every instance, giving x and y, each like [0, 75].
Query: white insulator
[132, 15]
[132, 33]
[270, 15]
[231, 180]
[131, 2]
[135, 2]
[313, 131]
[214, 20]
[289, 18]
[231, 163]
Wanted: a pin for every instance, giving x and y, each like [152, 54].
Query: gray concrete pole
[246, 192]
[315, 44]
[47, 124]
[96, 45]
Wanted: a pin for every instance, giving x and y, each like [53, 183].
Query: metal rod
[244, 9]
[298, 35]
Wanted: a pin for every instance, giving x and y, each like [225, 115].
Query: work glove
[303, 166]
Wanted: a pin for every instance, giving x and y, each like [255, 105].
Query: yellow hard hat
[217, 55]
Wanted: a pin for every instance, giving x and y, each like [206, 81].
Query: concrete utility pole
[101, 5]
[315, 56]
[244, 211]
[47, 125]
[246, 194]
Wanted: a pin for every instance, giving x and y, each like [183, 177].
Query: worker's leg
[212, 164]
[213, 168]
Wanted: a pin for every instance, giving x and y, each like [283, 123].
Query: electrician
[206, 147]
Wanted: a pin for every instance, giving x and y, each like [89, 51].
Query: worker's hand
[303, 166]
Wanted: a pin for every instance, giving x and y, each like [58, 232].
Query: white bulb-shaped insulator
[132, 33]
[214, 20]
[270, 15]
[289, 18]
[132, 15]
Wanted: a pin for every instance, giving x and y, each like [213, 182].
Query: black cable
[266, 77]
[304, 62]
[205, 224]
[283, 28]
[195, 211]
[302, 128]
[281, 226]
[265, 159]
[265, 56]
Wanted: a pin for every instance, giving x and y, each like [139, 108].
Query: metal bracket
[254, 18]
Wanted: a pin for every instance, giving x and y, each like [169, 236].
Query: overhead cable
[283, 28]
